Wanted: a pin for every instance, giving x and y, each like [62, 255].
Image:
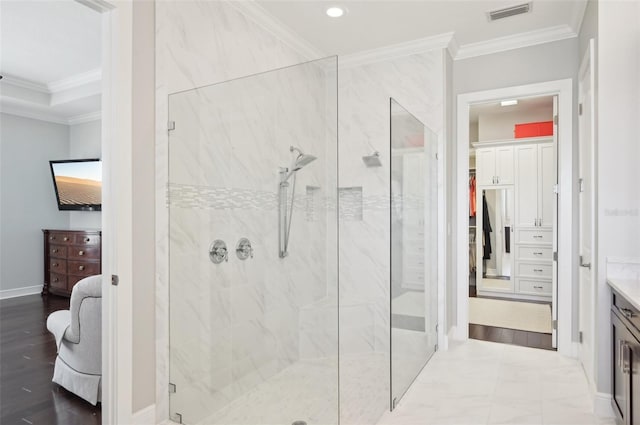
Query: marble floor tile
[479, 382]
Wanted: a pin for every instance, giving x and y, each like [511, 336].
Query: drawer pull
[65, 239]
[87, 239]
[80, 268]
[56, 279]
[537, 253]
[54, 250]
[537, 236]
[52, 238]
[627, 313]
[81, 252]
[538, 270]
[55, 264]
[537, 287]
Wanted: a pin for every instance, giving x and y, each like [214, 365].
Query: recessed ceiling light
[335, 12]
[509, 102]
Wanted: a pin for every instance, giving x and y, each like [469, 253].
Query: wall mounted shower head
[301, 160]
[372, 160]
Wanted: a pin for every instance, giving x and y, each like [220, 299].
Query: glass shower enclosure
[253, 245]
[414, 248]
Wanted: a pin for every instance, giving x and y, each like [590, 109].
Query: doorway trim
[566, 233]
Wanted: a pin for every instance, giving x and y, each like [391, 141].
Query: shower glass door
[414, 248]
[253, 331]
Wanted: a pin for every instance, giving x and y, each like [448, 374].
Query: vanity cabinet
[625, 320]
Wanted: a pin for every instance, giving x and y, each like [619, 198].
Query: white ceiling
[48, 41]
[51, 60]
[373, 24]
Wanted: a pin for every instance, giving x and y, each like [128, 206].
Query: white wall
[618, 156]
[85, 142]
[27, 197]
[534, 64]
[499, 126]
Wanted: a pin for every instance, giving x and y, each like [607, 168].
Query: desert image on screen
[79, 183]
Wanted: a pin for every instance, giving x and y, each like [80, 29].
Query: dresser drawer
[61, 238]
[534, 253]
[87, 239]
[58, 281]
[83, 268]
[626, 310]
[57, 251]
[534, 287]
[534, 236]
[57, 265]
[91, 252]
[536, 270]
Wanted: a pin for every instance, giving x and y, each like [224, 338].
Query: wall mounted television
[78, 184]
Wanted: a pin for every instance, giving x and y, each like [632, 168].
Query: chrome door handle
[583, 264]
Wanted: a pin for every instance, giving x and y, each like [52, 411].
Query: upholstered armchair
[78, 334]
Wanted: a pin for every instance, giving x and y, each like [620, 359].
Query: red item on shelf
[534, 129]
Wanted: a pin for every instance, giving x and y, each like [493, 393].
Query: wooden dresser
[69, 256]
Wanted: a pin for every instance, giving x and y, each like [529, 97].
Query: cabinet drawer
[56, 265]
[534, 270]
[534, 236]
[626, 310]
[57, 251]
[84, 252]
[61, 238]
[58, 281]
[83, 268]
[534, 287]
[87, 239]
[534, 253]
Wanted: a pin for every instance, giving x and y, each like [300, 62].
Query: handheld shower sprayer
[284, 222]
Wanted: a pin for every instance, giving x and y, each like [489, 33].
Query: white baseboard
[146, 416]
[20, 292]
[602, 405]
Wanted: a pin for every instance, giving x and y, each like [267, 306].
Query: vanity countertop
[628, 288]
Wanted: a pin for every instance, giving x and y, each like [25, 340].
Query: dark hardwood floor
[508, 336]
[27, 355]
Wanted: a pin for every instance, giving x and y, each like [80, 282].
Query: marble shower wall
[416, 82]
[237, 323]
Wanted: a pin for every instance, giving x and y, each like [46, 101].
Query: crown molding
[24, 84]
[264, 19]
[81, 119]
[515, 41]
[453, 47]
[75, 81]
[441, 41]
[32, 113]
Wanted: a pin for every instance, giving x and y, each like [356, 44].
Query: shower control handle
[218, 252]
[244, 249]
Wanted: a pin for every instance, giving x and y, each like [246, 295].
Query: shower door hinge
[556, 189]
[555, 324]
[171, 125]
[176, 417]
[580, 109]
[172, 388]
[580, 185]
[580, 337]
[436, 327]
[115, 279]
[393, 403]
[435, 347]
[555, 255]
[437, 156]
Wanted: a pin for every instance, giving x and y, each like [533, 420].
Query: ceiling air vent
[494, 15]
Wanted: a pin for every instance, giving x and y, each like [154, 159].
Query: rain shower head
[372, 160]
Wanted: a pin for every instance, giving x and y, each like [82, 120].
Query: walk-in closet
[512, 220]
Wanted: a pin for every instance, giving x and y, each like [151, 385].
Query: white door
[485, 166]
[526, 176]
[586, 216]
[554, 224]
[504, 164]
[546, 181]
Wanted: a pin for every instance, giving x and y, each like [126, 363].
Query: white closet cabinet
[534, 179]
[494, 166]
